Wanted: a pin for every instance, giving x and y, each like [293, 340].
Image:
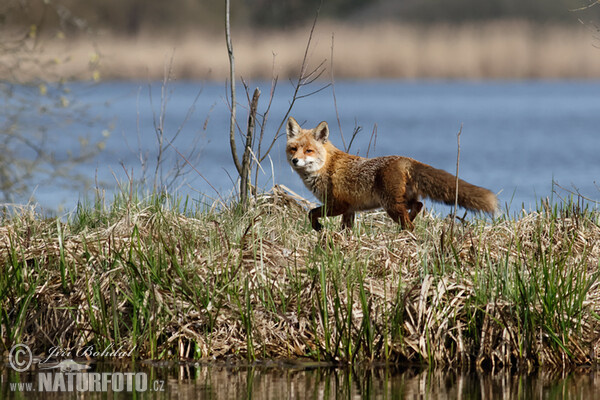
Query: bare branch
[246, 157]
[314, 74]
[302, 81]
[337, 114]
[232, 121]
[263, 124]
[373, 139]
[357, 129]
[575, 191]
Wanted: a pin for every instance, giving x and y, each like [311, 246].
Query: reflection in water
[314, 381]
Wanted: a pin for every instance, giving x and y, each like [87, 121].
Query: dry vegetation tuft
[219, 284]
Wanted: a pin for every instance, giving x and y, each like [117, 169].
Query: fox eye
[293, 149]
[309, 151]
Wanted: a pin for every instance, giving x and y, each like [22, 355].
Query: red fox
[346, 183]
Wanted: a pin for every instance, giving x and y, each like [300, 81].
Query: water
[517, 137]
[300, 381]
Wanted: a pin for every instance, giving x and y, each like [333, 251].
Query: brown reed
[493, 50]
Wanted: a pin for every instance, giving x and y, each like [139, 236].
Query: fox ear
[292, 128]
[321, 132]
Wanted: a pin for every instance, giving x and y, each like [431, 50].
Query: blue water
[516, 138]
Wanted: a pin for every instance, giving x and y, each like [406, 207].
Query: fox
[346, 183]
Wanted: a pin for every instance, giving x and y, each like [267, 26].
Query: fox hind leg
[415, 208]
[399, 213]
[347, 220]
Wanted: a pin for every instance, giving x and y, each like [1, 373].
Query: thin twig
[232, 121]
[357, 129]
[263, 123]
[337, 114]
[373, 140]
[456, 188]
[575, 192]
[159, 123]
[200, 175]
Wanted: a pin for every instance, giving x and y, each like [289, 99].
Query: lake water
[516, 139]
[287, 381]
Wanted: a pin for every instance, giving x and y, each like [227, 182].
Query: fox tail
[440, 186]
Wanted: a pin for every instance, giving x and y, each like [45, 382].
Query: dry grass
[507, 49]
[261, 284]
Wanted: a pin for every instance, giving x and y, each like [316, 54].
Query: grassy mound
[163, 282]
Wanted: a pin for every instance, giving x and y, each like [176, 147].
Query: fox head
[305, 147]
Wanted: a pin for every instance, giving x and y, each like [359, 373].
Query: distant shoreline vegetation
[492, 50]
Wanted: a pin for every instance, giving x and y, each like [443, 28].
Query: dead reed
[173, 281]
[496, 50]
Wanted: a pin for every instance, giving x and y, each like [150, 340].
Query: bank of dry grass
[505, 49]
[212, 284]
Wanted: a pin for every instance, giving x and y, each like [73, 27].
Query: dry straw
[499, 50]
[218, 284]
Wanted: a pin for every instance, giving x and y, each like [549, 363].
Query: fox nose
[295, 161]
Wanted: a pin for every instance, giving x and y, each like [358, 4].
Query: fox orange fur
[346, 183]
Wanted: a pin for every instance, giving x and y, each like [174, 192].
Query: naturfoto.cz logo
[71, 376]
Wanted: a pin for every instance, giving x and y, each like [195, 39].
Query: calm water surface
[517, 137]
[279, 381]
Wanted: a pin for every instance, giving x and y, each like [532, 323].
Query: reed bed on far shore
[164, 280]
[493, 50]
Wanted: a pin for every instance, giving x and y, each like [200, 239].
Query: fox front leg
[314, 216]
[330, 211]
